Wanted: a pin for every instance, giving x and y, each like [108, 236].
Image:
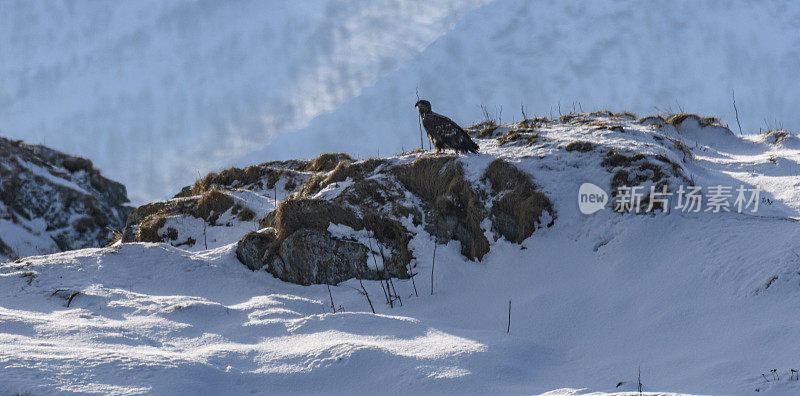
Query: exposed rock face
[299, 248]
[51, 201]
[307, 256]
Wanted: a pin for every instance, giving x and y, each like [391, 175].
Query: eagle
[443, 132]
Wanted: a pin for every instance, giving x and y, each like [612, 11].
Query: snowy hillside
[51, 201]
[156, 92]
[700, 301]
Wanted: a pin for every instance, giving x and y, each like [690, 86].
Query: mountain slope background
[158, 93]
[700, 302]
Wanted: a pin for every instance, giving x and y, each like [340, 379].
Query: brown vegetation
[212, 204]
[326, 162]
[514, 135]
[516, 214]
[677, 119]
[578, 145]
[455, 211]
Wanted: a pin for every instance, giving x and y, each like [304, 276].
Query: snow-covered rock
[51, 201]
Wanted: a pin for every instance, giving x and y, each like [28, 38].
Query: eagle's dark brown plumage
[443, 132]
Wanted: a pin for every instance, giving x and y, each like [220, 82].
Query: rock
[76, 204]
[311, 256]
[254, 247]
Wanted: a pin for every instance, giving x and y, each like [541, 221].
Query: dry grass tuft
[251, 176]
[517, 212]
[682, 147]
[567, 118]
[482, 130]
[326, 162]
[601, 113]
[625, 114]
[619, 179]
[636, 169]
[343, 171]
[212, 204]
[579, 146]
[226, 178]
[677, 119]
[777, 136]
[651, 120]
[457, 211]
[525, 135]
[148, 229]
[243, 213]
[614, 159]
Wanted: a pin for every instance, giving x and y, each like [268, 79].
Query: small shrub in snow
[326, 162]
[212, 204]
[516, 135]
[579, 146]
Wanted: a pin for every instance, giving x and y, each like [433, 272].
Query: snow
[700, 302]
[42, 172]
[28, 237]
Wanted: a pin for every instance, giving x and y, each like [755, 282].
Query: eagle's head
[423, 106]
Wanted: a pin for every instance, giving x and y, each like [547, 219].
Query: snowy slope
[701, 302]
[157, 92]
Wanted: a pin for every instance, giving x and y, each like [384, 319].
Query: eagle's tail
[472, 147]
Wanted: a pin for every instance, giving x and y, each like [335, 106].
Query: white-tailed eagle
[443, 132]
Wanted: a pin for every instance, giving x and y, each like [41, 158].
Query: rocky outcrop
[51, 201]
[382, 202]
[337, 218]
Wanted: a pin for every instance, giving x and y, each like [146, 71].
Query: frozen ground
[703, 303]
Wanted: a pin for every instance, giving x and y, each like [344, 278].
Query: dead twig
[71, 296]
[508, 330]
[333, 307]
[733, 95]
[433, 265]
[365, 294]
